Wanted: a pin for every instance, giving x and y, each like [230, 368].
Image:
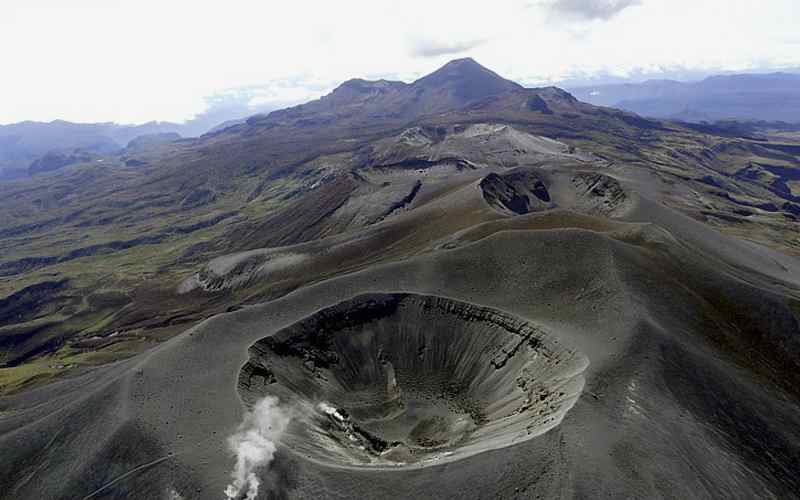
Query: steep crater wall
[518, 192]
[405, 380]
[524, 190]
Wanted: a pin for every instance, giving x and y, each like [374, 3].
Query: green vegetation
[65, 361]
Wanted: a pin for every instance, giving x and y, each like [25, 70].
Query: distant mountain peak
[464, 62]
[359, 85]
[467, 79]
[455, 86]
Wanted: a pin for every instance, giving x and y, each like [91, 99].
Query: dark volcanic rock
[520, 192]
[536, 103]
[600, 194]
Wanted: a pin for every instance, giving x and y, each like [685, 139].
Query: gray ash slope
[680, 397]
[686, 342]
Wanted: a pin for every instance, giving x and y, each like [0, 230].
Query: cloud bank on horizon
[135, 61]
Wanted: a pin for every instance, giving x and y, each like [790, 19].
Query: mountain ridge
[760, 97]
[454, 86]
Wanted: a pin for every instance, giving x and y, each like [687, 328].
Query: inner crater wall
[403, 380]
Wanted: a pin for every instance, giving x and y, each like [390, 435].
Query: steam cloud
[254, 446]
[330, 410]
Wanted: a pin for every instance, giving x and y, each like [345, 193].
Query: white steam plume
[330, 410]
[254, 446]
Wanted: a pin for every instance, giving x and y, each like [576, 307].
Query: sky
[133, 61]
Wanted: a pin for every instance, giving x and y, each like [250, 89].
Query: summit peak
[467, 79]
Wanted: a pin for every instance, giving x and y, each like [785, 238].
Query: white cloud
[134, 61]
[427, 47]
[591, 9]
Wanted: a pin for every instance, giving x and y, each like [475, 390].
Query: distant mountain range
[762, 97]
[26, 146]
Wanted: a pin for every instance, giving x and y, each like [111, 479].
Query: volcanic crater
[404, 380]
